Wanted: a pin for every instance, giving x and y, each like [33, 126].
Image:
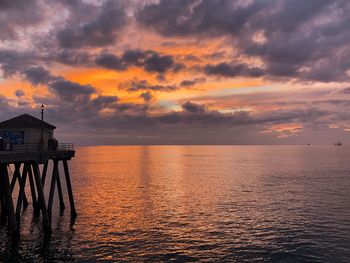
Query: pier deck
[8, 157]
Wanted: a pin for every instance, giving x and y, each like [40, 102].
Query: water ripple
[198, 203]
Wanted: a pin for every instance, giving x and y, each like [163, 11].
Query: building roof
[26, 120]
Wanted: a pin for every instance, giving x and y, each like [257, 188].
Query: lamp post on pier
[42, 126]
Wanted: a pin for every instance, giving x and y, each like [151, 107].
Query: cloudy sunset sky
[179, 71]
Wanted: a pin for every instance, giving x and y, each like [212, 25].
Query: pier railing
[65, 147]
[37, 147]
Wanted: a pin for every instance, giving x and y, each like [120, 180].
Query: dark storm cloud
[295, 39]
[149, 60]
[100, 31]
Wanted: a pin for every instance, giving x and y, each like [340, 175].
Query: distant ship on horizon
[338, 143]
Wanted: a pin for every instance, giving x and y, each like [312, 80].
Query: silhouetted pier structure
[26, 159]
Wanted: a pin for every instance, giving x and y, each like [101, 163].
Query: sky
[179, 71]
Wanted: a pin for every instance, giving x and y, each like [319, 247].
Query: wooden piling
[21, 193]
[52, 188]
[69, 188]
[59, 190]
[41, 197]
[17, 176]
[12, 222]
[25, 200]
[32, 190]
[43, 177]
[2, 200]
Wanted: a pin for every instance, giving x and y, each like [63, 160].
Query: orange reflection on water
[162, 203]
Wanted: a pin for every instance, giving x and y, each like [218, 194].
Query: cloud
[193, 107]
[160, 64]
[71, 91]
[279, 41]
[147, 96]
[16, 15]
[144, 85]
[37, 75]
[304, 40]
[233, 70]
[72, 57]
[149, 60]
[188, 17]
[100, 31]
[136, 56]
[346, 91]
[191, 82]
[104, 101]
[196, 122]
[161, 77]
[19, 93]
[110, 61]
[13, 61]
[198, 115]
[66, 90]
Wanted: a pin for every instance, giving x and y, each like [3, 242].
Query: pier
[27, 146]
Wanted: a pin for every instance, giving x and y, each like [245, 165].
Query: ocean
[197, 204]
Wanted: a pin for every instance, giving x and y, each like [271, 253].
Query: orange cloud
[285, 130]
